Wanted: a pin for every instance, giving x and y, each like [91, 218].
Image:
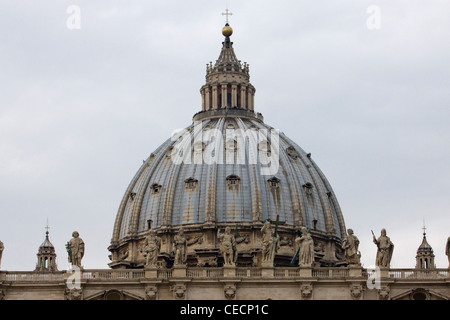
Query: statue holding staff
[385, 250]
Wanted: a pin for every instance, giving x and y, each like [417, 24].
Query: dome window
[233, 181]
[156, 188]
[292, 153]
[191, 183]
[274, 182]
[132, 195]
[308, 187]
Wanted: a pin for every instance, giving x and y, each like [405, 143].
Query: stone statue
[269, 243]
[227, 247]
[447, 251]
[152, 246]
[75, 249]
[180, 245]
[2, 247]
[306, 244]
[351, 244]
[385, 250]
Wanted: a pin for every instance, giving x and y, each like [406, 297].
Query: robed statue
[305, 243]
[2, 247]
[227, 247]
[152, 247]
[180, 245]
[75, 249]
[385, 250]
[447, 251]
[270, 243]
[350, 244]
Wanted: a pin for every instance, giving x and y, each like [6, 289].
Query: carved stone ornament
[356, 291]
[2, 294]
[229, 291]
[306, 291]
[151, 292]
[73, 294]
[179, 291]
[384, 293]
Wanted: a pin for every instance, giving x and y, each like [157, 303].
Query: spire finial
[46, 228]
[227, 30]
[227, 13]
[424, 228]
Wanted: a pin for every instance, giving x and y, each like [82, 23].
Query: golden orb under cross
[227, 30]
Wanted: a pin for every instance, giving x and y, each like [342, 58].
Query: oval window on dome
[156, 188]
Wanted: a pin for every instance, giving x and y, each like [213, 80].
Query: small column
[243, 95]
[224, 95]
[252, 97]
[214, 97]
[207, 98]
[249, 98]
[203, 99]
[234, 101]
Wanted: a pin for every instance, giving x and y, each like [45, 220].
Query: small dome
[46, 244]
[424, 246]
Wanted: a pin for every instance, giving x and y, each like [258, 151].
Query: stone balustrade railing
[211, 273]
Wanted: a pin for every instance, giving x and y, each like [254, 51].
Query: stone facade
[228, 283]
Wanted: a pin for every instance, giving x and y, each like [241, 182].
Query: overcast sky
[81, 108]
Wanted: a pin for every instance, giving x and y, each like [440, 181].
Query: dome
[233, 189]
[228, 168]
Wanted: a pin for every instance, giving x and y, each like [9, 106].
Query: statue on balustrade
[351, 244]
[152, 247]
[270, 244]
[75, 249]
[447, 251]
[2, 247]
[227, 247]
[385, 250]
[305, 243]
[180, 245]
